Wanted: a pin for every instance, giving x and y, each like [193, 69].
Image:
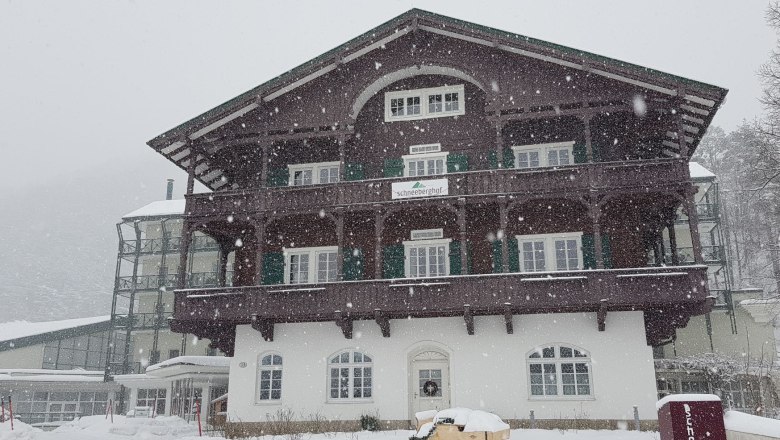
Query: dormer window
[544, 155]
[433, 102]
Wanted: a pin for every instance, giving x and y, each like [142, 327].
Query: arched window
[559, 370]
[269, 378]
[350, 376]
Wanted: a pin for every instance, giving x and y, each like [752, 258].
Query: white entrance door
[430, 382]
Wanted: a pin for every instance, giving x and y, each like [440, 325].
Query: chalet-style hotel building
[438, 202]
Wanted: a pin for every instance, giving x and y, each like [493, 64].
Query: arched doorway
[429, 380]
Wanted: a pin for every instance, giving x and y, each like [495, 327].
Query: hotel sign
[420, 188]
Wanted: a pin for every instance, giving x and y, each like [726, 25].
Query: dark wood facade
[633, 131]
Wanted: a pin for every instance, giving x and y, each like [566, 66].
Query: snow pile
[21, 329]
[741, 422]
[425, 415]
[142, 427]
[158, 208]
[686, 398]
[22, 431]
[471, 420]
[201, 361]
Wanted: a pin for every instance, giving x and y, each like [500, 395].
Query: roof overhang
[698, 100]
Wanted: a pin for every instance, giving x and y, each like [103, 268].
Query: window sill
[349, 401]
[269, 403]
[560, 398]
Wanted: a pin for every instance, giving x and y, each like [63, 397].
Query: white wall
[488, 370]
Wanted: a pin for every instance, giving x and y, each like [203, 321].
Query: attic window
[428, 103]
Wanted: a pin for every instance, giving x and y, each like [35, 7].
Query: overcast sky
[84, 83]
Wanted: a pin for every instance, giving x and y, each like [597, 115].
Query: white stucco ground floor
[557, 365]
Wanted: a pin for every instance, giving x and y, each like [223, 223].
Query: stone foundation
[250, 429]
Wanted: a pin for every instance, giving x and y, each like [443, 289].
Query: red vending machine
[691, 417]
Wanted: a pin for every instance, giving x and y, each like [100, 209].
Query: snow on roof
[20, 329]
[741, 422]
[41, 375]
[202, 361]
[158, 208]
[699, 172]
[686, 398]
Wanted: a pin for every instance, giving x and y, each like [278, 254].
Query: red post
[154, 408]
[2, 409]
[110, 409]
[11, 412]
[200, 429]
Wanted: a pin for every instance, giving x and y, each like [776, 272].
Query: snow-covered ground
[168, 428]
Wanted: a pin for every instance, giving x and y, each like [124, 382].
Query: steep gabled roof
[704, 99]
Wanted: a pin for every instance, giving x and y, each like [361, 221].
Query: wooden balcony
[679, 291]
[576, 179]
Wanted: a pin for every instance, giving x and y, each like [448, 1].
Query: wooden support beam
[345, 324]
[693, 223]
[469, 318]
[383, 322]
[508, 319]
[259, 249]
[464, 267]
[265, 327]
[601, 316]
[339, 218]
[503, 216]
[588, 139]
[378, 228]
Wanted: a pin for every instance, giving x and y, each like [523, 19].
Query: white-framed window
[350, 376]
[427, 164]
[553, 154]
[427, 258]
[550, 252]
[269, 377]
[313, 173]
[310, 265]
[153, 398]
[559, 371]
[434, 102]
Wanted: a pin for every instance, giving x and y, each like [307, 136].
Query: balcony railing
[586, 290]
[170, 245]
[144, 321]
[171, 281]
[544, 181]
[710, 254]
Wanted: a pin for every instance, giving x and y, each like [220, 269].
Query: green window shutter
[509, 158]
[455, 264]
[273, 268]
[354, 171]
[394, 168]
[606, 251]
[514, 255]
[589, 251]
[353, 264]
[457, 163]
[393, 261]
[278, 177]
[492, 161]
[498, 258]
[579, 152]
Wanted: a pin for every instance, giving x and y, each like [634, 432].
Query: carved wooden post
[693, 223]
[673, 243]
[184, 252]
[499, 142]
[339, 218]
[260, 246]
[224, 250]
[464, 256]
[588, 140]
[503, 220]
[264, 169]
[342, 158]
[595, 215]
[378, 228]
